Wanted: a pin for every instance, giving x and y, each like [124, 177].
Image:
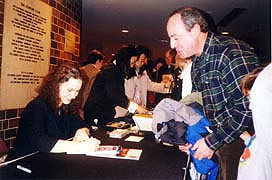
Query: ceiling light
[124, 31]
[225, 32]
[163, 40]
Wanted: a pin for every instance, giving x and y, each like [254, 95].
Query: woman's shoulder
[37, 103]
[144, 74]
[36, 108]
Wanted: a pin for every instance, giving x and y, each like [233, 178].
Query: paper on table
[143, 121]
[102, 149]
[125, 153]
[106, 150]
[134, 138]
[112, 151]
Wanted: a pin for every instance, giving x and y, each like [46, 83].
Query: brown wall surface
[66, 15]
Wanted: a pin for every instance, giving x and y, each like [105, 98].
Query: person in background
[219, 63]
[90, 69]
[257, 164]
[246, 85]
[165, 70]
[139, 83]
[52, 117]
[108, 90]
[156, 76]
[153, 73]
[148, 63]
[182, 78]
[168, 65]
[149, 66]
[163, 66]
[170, 60]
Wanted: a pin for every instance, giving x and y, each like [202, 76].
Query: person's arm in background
[116, 93]
[156, 87]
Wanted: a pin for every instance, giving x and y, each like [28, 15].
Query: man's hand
[158, 66]
[185, 147]
[202, 150]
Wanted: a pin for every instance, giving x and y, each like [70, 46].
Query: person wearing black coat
[51, 119]
[108, 89]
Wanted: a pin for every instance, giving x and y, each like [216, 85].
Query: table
[157, 162]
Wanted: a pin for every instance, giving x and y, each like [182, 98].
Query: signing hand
[81, 135]
[89, 145]
[92, 144]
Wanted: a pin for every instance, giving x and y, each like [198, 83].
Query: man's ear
[196, 30]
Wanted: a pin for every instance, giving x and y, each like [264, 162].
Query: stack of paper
[143, 121]
[119, 133]
[123, 153]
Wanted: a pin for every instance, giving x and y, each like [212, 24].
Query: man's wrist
[211, 142]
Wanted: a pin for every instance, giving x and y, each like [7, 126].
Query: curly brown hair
[49, 88]
[249, 79]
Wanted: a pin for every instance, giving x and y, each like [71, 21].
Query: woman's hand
[141, 109]
[134, 107]
[89, 145]
[93, 143]
[81, 135]
[82, 147]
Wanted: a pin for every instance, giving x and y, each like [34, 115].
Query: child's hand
[246, 137]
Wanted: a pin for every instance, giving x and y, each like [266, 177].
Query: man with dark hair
[170, 59]
[90, 69]
[95, 57]
[219, 63]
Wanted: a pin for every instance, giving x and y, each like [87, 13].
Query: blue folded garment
[205, 166]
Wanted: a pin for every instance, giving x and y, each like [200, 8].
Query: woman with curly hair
[52, 118]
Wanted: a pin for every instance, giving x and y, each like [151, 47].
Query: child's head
[248, 81]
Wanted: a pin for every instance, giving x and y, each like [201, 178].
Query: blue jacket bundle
[169, 117]
[193, 134]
